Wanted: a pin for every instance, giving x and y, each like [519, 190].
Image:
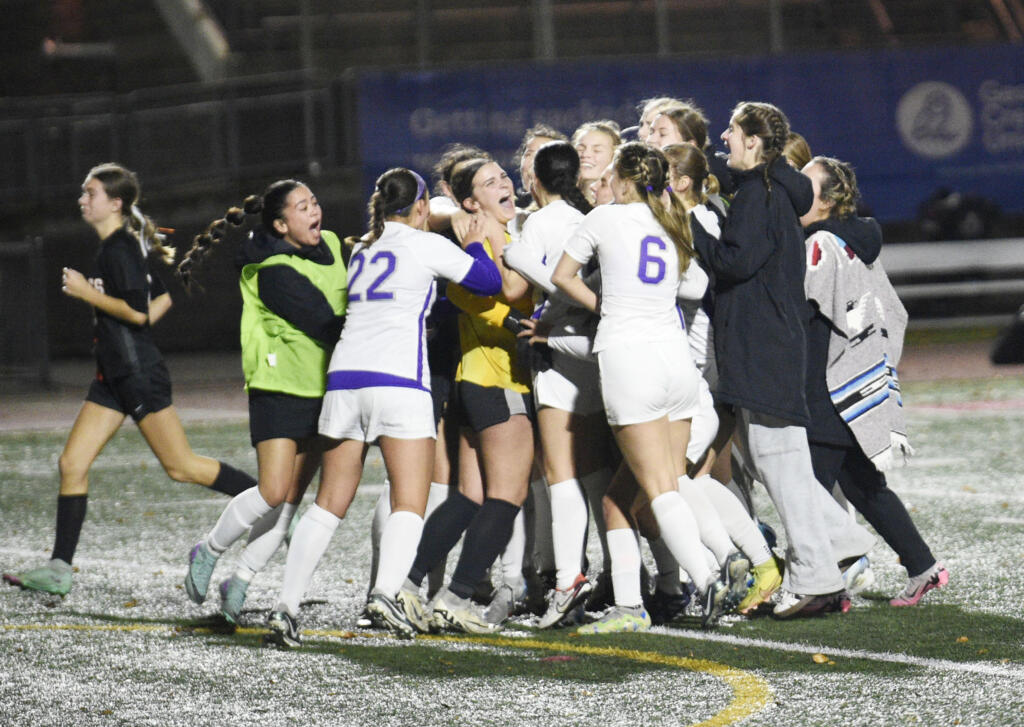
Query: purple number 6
[647, 260]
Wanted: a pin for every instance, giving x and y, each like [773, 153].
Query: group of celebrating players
[641, 333]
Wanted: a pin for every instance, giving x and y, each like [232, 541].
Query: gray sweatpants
[819, 532]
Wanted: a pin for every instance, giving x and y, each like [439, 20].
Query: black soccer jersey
[121, 272]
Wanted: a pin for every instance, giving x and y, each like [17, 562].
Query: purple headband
[421, 187]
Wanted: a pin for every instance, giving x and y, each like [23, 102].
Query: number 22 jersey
[391, 288]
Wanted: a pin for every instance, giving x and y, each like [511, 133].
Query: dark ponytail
[557, 167]
[394, 194]
[269, 206]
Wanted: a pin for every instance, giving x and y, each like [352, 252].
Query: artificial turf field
[126, 646]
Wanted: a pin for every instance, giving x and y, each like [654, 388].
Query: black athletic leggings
[866, 489]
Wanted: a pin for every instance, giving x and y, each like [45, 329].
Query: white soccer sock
[712, 532]
[543, 556]
[398, 545]
[512, 556]
[568, 529]
[265, 538]
[668, 569]
[741, 527]
[241, 514]
[312, 536]
[624, 553]
[679, 531]
[595, 485]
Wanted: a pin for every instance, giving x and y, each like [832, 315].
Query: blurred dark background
[210, 101]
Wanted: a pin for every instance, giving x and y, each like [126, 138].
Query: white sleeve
[583, 245]
[694, 282]
[526, 257]
[442, 257]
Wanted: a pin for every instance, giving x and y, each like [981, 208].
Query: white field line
[1000, 670]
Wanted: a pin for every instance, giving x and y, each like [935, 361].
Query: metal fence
[177, 136]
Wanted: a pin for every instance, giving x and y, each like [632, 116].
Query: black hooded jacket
[760, 309]
[287, 292]
[863, 235]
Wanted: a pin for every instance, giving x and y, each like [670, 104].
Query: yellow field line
[750, 692]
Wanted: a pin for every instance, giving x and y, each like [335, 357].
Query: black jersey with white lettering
[121, 272]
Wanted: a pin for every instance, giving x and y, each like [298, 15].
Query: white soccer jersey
[698, 324]
[639, 274]
[391, 289]
[540, 245]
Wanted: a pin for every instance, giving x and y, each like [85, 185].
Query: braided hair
[838, 185]
[270, 206]
[557, 167]
[648, 169]
[394, 194]
[121, 183]
[766, 121]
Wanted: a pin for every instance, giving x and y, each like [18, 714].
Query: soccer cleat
[201, 563]
[232, 596]
[767, 580]
[387, 614]
[54, 577]
[459, 614]
[858, 576]
[666, 607]
[618, 620]
[714, 602]
[795, 604]
[735, 574]
[563, 601]
[412, 606]
[935, 577]
[506, 601]
[284, 631]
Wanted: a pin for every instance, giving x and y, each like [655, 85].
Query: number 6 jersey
[639, 274]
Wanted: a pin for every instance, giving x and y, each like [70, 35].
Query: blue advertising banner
[910, 122]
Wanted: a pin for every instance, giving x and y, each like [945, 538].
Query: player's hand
[533, 330]
[460, 226]
[474, 230]
[74, 284]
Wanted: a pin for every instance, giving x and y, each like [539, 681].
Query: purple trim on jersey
[483, 277]
[343, 380]
[421, 336]
[682, 320]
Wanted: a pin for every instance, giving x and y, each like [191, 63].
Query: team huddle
[634, 339]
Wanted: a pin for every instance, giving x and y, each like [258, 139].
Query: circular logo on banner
[934, 119]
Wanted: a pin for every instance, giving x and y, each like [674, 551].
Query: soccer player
[378, 391]
[292, 280]
[131, 377]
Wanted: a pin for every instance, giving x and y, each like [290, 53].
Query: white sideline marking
[999, 670]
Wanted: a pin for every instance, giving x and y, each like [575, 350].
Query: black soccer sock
[231, 481]
[70, 516]
[486, 537]
[441, 532]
